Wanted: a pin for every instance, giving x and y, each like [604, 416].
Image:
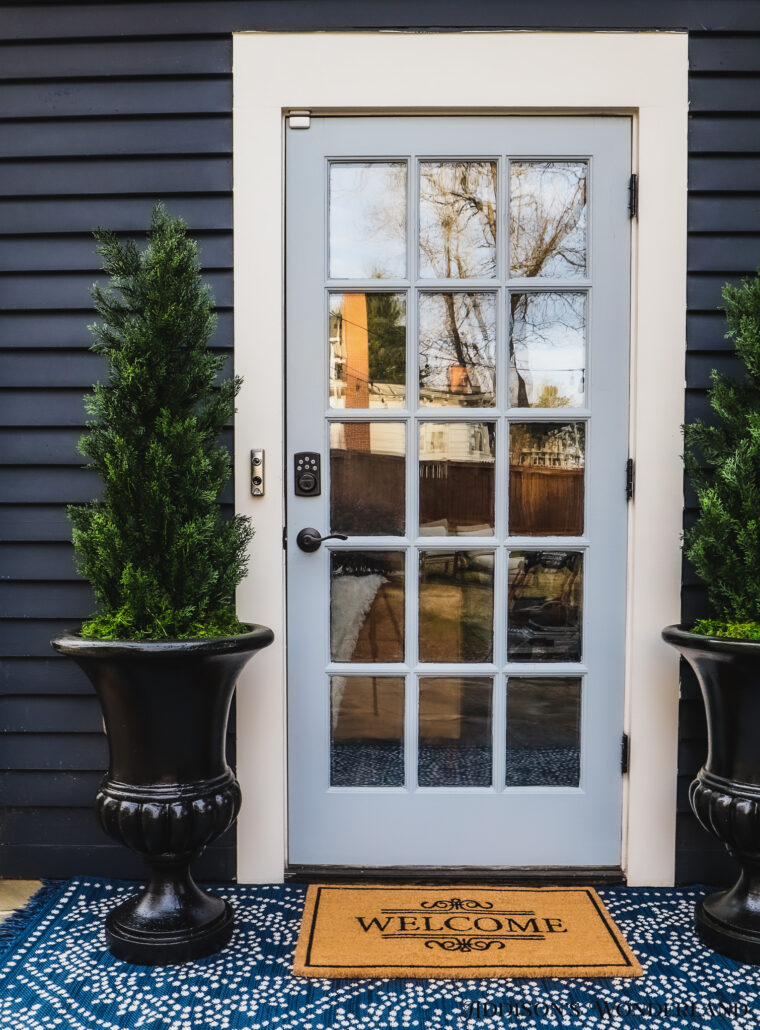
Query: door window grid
[503, 415]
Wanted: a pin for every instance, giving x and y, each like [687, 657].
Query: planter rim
[682, 638]
[72, 643]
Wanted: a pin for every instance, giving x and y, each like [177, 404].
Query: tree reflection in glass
[458, 219]
[547, 350]
[367, 350]
[457, 349]
[547, 219]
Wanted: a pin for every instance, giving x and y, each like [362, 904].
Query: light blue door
[457, 409]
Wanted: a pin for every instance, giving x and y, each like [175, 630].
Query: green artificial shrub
[161, 559]
[723, 462]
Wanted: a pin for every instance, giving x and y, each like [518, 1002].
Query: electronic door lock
[307, 473]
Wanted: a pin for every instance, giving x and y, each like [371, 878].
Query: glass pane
[543, 732]
[547, 219]
[457, 353]
[367, 606]
[545, 606]
[456, 606]
[368, 220]
[367, 731]
[367, 478]
[547, 350]
[458, 219]
[546, 463]
[367, 350]
[455, 732]
[457, 478]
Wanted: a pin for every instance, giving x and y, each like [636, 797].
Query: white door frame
[640, 74]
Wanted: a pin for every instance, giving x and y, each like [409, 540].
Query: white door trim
[642, 74]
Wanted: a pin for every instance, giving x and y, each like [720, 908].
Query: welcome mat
[451, 932]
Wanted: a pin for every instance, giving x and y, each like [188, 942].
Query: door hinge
[284, 538]
[630, 478]
[633, 196]
[299, 119]
[625, 753]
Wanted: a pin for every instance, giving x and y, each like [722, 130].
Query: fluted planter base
[168, 792]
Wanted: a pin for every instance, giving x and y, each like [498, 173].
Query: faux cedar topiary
[161, 559]
[723, 462]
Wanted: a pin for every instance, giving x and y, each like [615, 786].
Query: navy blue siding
[105, 108]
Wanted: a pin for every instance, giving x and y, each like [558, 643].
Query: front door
[457, 417]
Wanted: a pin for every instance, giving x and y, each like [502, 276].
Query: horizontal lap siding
[724, 245]
[108, 107]
[93, 133]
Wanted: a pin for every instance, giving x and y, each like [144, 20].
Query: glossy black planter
[725, 795]
[169, 791]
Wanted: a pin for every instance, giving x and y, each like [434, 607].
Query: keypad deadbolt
[307, 475]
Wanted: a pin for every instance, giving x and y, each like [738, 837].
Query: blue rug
[56, 973]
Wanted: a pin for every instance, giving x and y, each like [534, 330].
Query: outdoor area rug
[55, 974]
[459, 931]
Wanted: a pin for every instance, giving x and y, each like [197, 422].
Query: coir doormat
[454, 932]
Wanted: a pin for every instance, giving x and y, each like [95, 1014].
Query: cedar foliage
[723, 462]
[162, 561]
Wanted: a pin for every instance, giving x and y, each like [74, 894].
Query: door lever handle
[309, 539]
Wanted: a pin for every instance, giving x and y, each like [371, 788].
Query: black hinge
[625, 752]
[629, 479]
[633, 196]
[284, 538]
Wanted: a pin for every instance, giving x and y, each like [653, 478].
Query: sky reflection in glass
[368, 220]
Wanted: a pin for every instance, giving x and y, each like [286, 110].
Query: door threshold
[523, 875]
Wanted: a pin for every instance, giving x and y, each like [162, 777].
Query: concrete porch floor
[15, 894]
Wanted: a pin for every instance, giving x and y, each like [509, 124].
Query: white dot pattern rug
[55, 972]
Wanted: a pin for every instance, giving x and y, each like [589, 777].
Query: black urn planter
[725, 795]
[169, 791]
